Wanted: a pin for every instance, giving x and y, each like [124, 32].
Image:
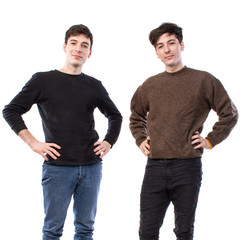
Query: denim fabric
[60, 184]
[165, 181]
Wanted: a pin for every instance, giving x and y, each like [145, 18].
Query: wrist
[28, 138]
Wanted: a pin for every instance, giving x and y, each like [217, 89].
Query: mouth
[77, 56]
[169, 57]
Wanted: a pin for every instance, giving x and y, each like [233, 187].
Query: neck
[174, 68]
[75, 70]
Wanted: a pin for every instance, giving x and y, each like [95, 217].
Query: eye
[84, 45]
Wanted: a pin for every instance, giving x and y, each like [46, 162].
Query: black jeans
[170, 180]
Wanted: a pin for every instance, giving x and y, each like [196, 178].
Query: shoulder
[153, 81]
[96, 84]
[207, 81]
[91, 79]
[40, 78]
[154, 78]
[200, 73]
[45, 74]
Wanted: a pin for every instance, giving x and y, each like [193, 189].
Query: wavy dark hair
[166, 27]
[77, 30]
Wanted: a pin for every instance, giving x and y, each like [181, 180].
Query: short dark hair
[77, 30]
[166, 27]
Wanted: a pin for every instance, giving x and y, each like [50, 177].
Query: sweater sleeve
[21, 104]
[221, 103]
[108, 108]
[138, 117]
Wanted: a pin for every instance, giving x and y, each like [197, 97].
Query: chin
[77, 65]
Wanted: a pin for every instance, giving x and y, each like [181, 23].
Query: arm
[39, 147]
[108, 108]
[21, 104]
[221, 103]
[138, 118]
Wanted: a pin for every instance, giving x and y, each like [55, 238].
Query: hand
[145, 147]
[39, 147]
[200, 141]
[46, 148]
[102, 148]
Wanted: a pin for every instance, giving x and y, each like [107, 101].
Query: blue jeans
[60, 184]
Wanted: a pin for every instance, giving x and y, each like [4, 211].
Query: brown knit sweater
[170, 107]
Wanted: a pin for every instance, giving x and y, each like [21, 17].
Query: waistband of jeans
[172, 159]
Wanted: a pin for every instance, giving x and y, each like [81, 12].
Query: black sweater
[66, 104]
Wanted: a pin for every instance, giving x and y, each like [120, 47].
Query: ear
[182, 46]
[90, 52]
[64, 47]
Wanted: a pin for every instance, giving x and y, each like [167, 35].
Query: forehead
[79, 38]
[166, 37]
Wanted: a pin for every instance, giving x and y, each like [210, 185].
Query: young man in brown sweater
[168, 112]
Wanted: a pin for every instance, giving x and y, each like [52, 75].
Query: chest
[175, 96]
[71, 96]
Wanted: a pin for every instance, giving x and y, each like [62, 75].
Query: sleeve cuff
[210, 144]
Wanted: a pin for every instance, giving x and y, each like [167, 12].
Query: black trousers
[170, 180]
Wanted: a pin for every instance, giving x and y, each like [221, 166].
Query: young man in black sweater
[66, 100]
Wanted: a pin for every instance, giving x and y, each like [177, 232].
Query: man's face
[168, 50]
[77, 50]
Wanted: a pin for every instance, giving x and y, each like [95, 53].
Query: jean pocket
[45, 174]
[45, 180]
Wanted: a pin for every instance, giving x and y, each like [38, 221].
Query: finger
[103, 152]
[195, 136]
[147, 146]
[99, 151]
[54, 151]
[97, 143]
[195, 141]
[147, 153]
[198, 146]
[98, 148]
[54, 145]
[51, 154]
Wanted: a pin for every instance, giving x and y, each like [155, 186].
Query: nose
[167, 48]
[78, 48]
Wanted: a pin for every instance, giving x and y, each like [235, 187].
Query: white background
[32, 35]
